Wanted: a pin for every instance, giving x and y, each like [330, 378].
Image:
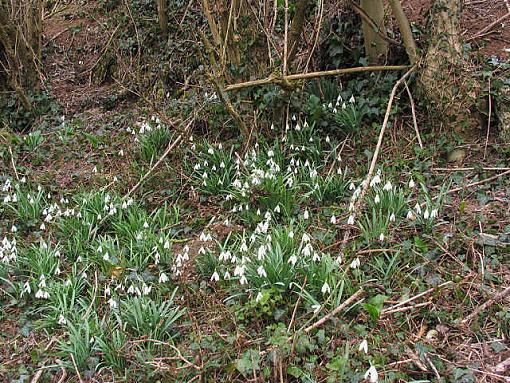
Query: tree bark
[376, 47]
[405, 30]
[296, 30]
[447, 84]
[163, 18]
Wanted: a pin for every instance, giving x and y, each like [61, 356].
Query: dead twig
[327, 317]
[392, 308]
[488, 122]
[413, 111]
[489, 27]
[163, 156]
[76, 368]
[499, 296]
[476, 183]
[302, 76]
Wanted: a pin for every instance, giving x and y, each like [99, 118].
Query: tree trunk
[447, 84]
[298, 23]
[405, 30]
[376, 48]
[163, 18]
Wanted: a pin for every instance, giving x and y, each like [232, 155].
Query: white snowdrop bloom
[61, 320]
[417, 207]
[261, 271]
[261, 252]
[376, 180]
[210, 151]
[325, 288]
[363, 346]
[113, 303]
[67, 283]
[381, 237]
[305, 238]
[226, 276]
[79, 259]
[146, 290]
[377, 199]
[352, 100]
[224, 256]
[27, 288]
[339, 171]
[239, 270]
[307, 250]
[388, 186]
[433, 213]
[355, 263]
[243, 280]
[291, 234]
[14, 229]
[328, 140]
[42, 281]
[23, 180]
[106, 257]
[426, 214]
[40, 294]
[121, 152]
[214, 168]
[163, 278]
[316, 257]
[306, 215]
[131, 289]
[15, 198]
[293, 117]
[344, 105]
[333, 220]
[392, 217]
[222, 165]
[215, 277]
[7, 198]
[166, 245]
[411, 184]
[244, 247]
[350, 221]
[292, 260]
[107, 291]
[201, 251]
[371, 375]
[48, 218]
[259, 297]
[410, 215]
[94, 170]
[146, 225]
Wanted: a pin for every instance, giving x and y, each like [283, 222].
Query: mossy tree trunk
[20, 46]
[376, 48]
[447, 84]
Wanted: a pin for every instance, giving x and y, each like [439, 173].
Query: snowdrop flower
[261, 272]
[113, 303]
[259, 297]
[210, 151]
[350, 221]
[352, 100]
[40, 294]
[325, 288]
[107, 291]
[243, 280]
[355, 263]
[352, 186]
[276, 209]
[61, 320]
[410, 215]
[328, 140]
[292, 260]
[163, 278]
[381, 237]
[392, 217]
[201, 251]
[146, 289]
[291, 234]
[377, 199]
[417, 207]
[426, 214]
[14, 229]
[433, 213]
[371, 375]
[411, 184]
[363, 346]
[376, 180]
[215, 277]
[226, 276]
[388, 186]
[306, 215]
[94, 170]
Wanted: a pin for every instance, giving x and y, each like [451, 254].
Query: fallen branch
[413, 111]
[393, 308]
[163, 156]
[327, 317]
[477, 183]
[368, 178]
[275, 79]
[499, 296]
[489, 27]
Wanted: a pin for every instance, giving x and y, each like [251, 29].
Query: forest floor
[226, 263]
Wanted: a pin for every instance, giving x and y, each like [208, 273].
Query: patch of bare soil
[483, 23]
[75, 40]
